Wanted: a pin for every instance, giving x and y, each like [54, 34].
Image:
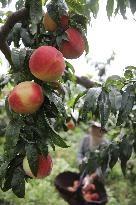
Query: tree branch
[85, 82]
[17, 16]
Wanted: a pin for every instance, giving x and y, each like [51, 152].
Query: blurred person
[91, 142]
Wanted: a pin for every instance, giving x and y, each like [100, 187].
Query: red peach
[92, 187]
[75, 46]
[71, 125]
[47, 63]
[44, 168]
[95, 197]
[87, 197]
[26, 97]
[64, 21]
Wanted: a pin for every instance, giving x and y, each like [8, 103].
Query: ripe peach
[92, 187]
[75, 46]
[47, 63]
[49, 23]
[87, 197]
[26, 97]
[95, 197]
[64, 21]
[44, 168]
[71, 125]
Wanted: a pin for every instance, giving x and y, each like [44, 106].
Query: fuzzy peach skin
[75, 46]
[44, 168]
[26, 97]
[64, 21]
[71, 125]
[47, 64]
[49, 23]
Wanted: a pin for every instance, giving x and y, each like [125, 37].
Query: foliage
[117, 186]
[114, 98]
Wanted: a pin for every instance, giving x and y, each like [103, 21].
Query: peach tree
[37, 45]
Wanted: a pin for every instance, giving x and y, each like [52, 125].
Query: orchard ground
[42, 192]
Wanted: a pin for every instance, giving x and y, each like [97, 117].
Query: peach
[75, 46]
[71, 125]
[95, 197]
[26, 97]
[44, 167]
[64, 21]
[87, 197]
[49, 23]
[47, 64]
[92, 187]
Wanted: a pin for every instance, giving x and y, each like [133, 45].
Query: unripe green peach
[49, 23]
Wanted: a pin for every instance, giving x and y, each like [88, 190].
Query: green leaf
[79, 22]
[7, 184]
[94, 7]
[134, 145]
[122, 6]
[16, 162]
[104, 107]
[12, 137]
[4, 81]
[69, 73]
[35, 11]
[57, 101]
[54, 136]
[91, 101]
[43, 2]
[125, 151]
[104, 157]
[130, 67]
[8, 111]
[10, 170]
[18, 57]
[114, 81]
[93, 163]
[56, 9]
[16, 35]
[78, 97]
[110, 8]
[18, 183]
[86, 46]
[128, 98]
[33, 28]
[42, 145]
[26, 39]
[3, 170]
[128, 74]
[20, 4]
[32, 156]
[115, 98]
[114, 154]
[4, 3]
[70, 66]
[133, 6]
